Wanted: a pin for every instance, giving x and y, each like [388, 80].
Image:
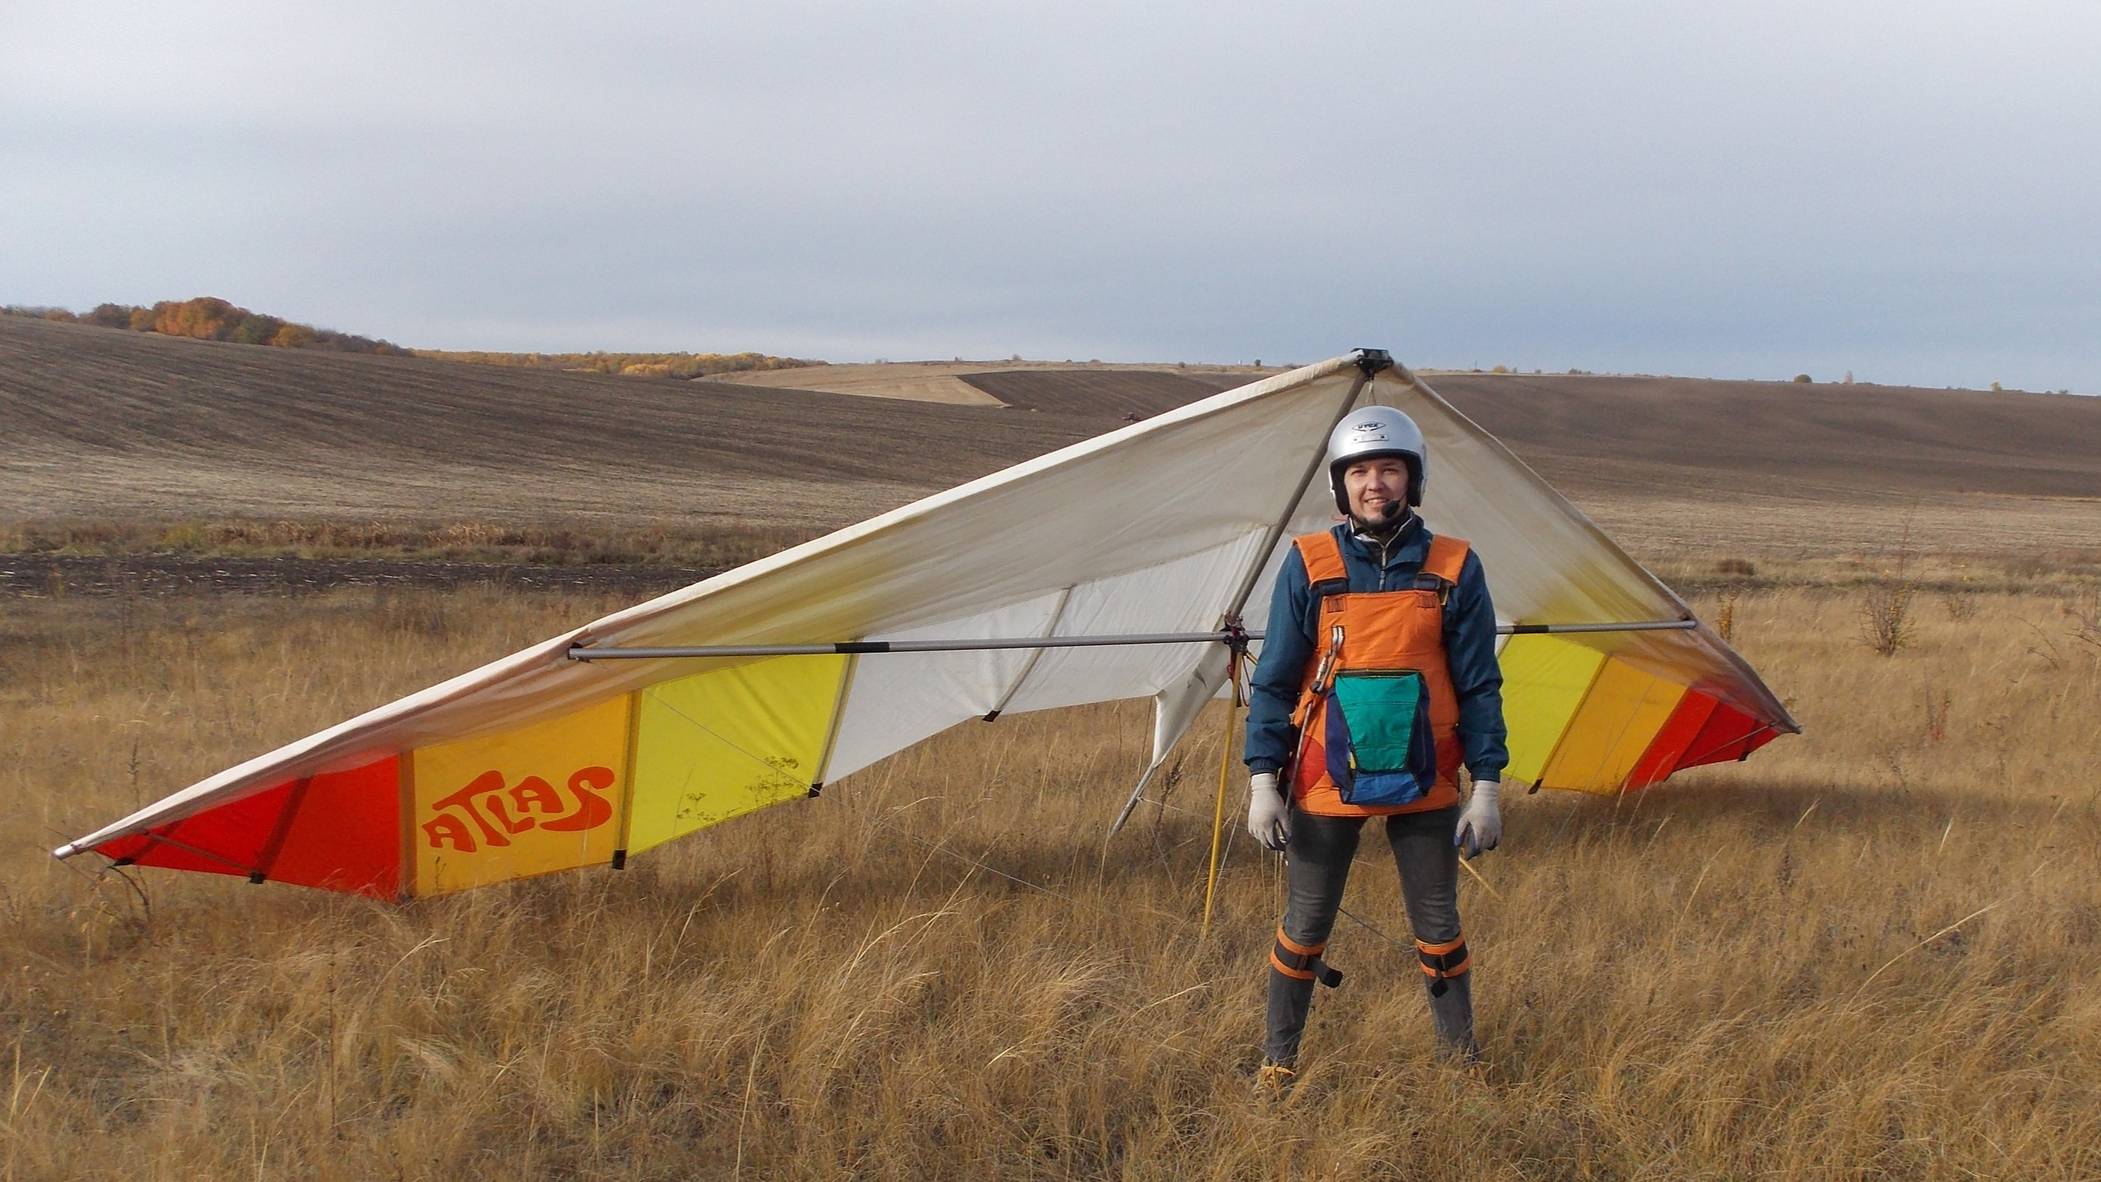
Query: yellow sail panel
[725, 742]
[515, 803]
[1616, 723]
[1544, 680]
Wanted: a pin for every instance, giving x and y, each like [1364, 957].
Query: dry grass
[1867, 953]
[705, 545]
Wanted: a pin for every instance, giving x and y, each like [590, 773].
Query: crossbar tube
[859, 647]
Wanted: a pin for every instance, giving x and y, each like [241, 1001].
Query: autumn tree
[254, 329]
[205, 318]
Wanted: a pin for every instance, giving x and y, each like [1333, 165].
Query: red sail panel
[1728, 734]
[1672, 742]
[339, 831]
[346, 834]
[223, 840]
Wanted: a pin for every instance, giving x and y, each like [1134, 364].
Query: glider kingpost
[762, 684]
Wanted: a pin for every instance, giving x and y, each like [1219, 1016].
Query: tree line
[208, 318]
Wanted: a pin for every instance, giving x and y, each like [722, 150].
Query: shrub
[1885, 616]
[1803, 379]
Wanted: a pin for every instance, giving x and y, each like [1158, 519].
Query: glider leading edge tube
[858, 647]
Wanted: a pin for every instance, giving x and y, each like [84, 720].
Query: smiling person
[1378, 679]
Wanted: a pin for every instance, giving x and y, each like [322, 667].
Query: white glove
[1481, 825]
[1268, 813]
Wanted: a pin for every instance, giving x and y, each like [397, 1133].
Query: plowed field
[110, 424]
[119, 426]
[1125, 394]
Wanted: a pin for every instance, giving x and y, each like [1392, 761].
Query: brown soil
[113, 426]
[110, 424]
[56, 576]
[951, 381]
[1122, 394]
[1781, 438]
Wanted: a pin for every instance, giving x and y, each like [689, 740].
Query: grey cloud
[1637, 186]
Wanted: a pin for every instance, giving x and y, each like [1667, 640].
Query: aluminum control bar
[857, 647]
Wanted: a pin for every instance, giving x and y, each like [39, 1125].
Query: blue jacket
[1469, 648]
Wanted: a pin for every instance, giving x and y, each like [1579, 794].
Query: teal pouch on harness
[1379, 746]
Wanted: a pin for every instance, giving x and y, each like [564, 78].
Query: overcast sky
[1904, 190]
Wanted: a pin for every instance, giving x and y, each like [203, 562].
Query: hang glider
[1117, 568]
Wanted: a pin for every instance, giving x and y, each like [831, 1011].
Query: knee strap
[1443, 961]
[1302, 962]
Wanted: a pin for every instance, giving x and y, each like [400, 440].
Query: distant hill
[1785, 438]
[208, 318]
[103, 424]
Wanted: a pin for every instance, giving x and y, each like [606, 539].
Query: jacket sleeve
[1286, 647]
[1470, 655]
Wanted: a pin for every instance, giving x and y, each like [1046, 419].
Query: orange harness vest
[1378, 630]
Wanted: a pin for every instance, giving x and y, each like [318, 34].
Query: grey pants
[1317, 868]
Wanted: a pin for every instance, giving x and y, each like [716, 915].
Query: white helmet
[1377, 431]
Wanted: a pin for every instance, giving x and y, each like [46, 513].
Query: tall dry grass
[1870, 952]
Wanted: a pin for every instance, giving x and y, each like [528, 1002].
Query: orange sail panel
[1620, 715]
[521, 802]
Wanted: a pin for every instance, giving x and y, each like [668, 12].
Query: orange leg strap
[1302, 962]
[1447, 959]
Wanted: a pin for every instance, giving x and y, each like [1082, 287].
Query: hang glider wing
[1595, 711]
[541, 762]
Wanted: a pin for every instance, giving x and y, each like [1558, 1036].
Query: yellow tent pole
[1218, 805]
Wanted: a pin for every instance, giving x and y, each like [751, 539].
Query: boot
[1273, 1080]
[1452, 1015]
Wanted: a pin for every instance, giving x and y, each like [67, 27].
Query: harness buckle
[1327, 661]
